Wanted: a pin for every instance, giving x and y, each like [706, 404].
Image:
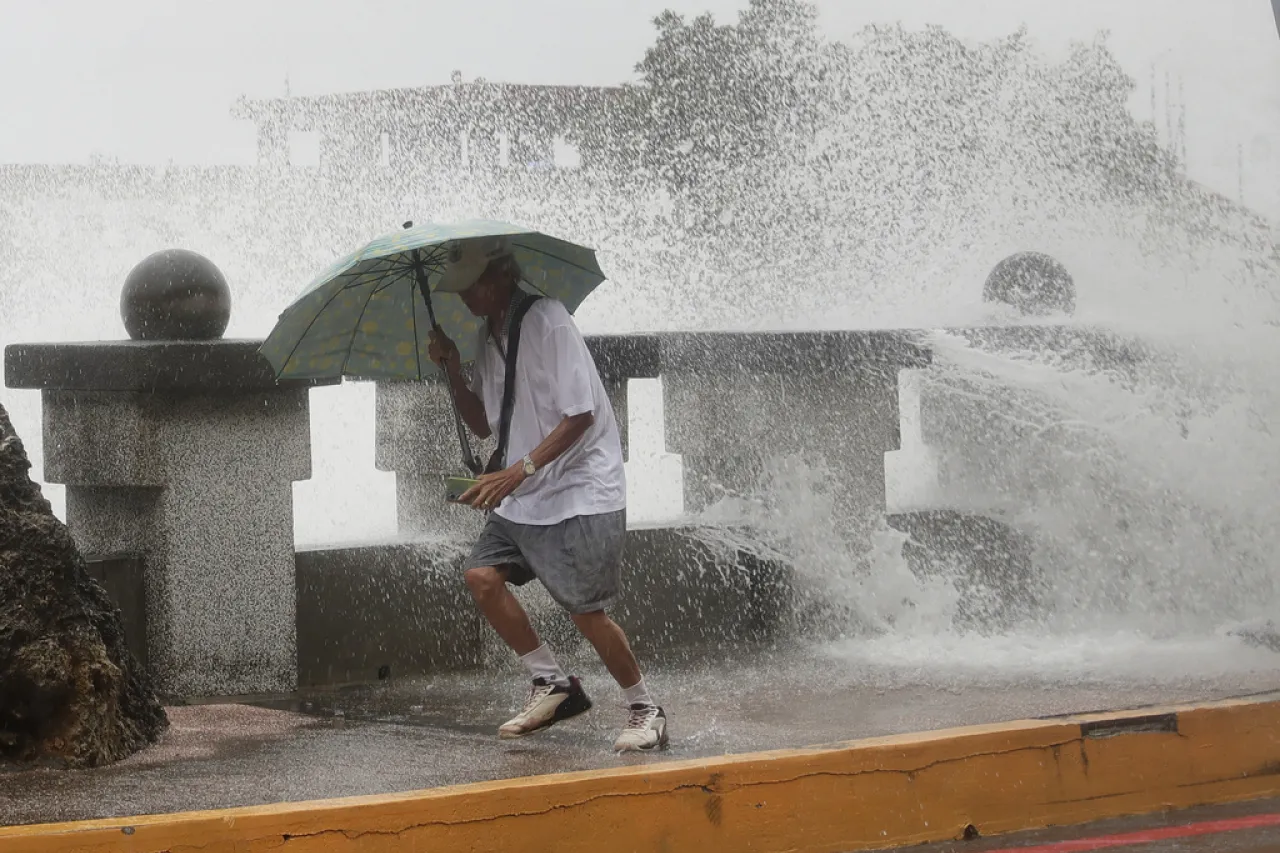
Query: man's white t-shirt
[555, 378]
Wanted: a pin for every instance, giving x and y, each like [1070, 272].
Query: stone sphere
[175, 295]
[1033, 283]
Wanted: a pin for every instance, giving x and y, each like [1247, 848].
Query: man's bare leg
[646, 726]
[489, 588]
[612, 646]
[554, 696]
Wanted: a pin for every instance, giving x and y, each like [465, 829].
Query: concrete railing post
[988, 436]
[740, 407]
[185, 453]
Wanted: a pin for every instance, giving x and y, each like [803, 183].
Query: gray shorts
[579, 560]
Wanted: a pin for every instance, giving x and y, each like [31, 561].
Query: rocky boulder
[70, 692]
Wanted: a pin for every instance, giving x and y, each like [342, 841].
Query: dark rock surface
[70, 692]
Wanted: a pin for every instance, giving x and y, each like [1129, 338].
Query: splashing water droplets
[768, 178]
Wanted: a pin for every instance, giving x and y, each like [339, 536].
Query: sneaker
[646, 729]
[547, 705]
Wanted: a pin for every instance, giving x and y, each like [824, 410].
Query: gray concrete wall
[393, 610]
[739, 405]
[399, 607]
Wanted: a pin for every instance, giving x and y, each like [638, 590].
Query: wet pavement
[407, 735]
[1237, 828]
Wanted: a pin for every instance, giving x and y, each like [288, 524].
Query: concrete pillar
[416, 438]
[185, 454]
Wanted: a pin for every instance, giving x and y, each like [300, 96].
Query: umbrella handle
[468, 455]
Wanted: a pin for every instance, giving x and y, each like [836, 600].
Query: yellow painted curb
[861, 795]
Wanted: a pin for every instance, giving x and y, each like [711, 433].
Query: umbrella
[369, 314]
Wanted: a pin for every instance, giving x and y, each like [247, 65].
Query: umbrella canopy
[370, 313]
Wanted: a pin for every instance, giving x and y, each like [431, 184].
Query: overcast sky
[150, 81]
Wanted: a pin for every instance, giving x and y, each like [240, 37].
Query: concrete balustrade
[180, 457]
[415, 438]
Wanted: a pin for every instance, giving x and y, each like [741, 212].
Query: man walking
[558, 512]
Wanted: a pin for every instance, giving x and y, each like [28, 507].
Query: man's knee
[484, 581]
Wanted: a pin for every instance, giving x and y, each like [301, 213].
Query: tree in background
[720, 99]
[787, 157]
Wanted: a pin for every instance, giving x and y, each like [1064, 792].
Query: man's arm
[565, 435]
[570, 365]
[470, 406]
[493, 488]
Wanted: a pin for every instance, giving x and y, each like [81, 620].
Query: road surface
[1240, 828]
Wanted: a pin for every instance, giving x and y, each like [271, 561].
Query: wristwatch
[529, 467]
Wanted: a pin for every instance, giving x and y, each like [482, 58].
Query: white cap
[466, 261]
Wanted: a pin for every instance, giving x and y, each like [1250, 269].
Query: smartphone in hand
[455, 487]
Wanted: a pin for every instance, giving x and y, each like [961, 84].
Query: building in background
[476, 125]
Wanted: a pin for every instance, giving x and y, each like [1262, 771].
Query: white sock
[637, 694]
[541, 663]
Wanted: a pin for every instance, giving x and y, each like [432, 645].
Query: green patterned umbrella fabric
[365, 316]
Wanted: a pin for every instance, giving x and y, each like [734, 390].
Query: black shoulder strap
[509, 382]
